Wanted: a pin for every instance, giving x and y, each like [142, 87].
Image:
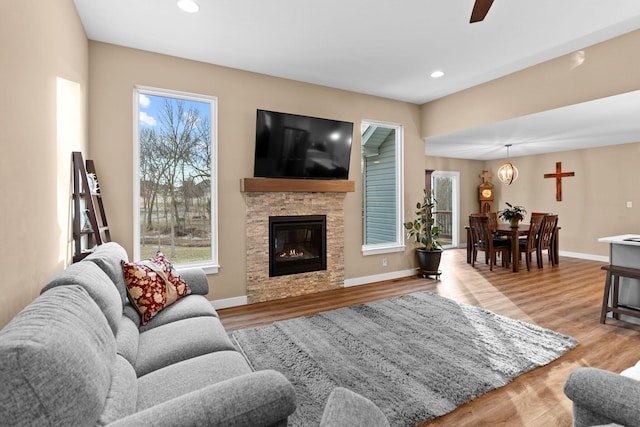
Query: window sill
[382, 249]
[208, 266]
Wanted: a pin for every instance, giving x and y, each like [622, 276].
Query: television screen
[293, 146]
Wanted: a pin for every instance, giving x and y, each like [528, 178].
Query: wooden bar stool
[614, 273]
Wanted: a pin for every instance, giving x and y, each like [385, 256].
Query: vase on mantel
[514, 223]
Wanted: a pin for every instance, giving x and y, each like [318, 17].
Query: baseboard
[238, 301]
[229, 302]
[379, 277]
[590, 257]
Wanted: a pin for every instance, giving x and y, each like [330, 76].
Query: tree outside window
[175, 176]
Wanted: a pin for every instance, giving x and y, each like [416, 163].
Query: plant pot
[429, 261]
[514, 223]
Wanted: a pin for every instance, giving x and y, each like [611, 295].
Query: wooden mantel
[296, 185]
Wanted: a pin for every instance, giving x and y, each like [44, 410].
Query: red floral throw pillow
[152, 285]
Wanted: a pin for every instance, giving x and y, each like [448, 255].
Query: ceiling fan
[480, 10]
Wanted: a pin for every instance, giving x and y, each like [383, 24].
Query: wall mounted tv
[293, 146]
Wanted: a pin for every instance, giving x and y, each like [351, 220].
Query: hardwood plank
[566, 298]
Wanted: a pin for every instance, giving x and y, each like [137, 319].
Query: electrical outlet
[629, 204]
[384, 262]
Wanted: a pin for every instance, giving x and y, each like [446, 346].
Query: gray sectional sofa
[77, 355]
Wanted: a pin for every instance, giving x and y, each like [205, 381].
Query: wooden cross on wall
[558, 176]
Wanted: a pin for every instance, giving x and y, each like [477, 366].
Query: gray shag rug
[417, 357]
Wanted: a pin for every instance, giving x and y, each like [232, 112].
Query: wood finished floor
[565, 298]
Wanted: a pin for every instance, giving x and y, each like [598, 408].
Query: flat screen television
[293, 146]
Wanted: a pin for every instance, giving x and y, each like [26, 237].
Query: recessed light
[436, 74]
[188, 6]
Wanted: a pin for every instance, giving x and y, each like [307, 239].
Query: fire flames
[291, 254]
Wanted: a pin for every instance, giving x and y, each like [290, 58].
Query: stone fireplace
[282, 198]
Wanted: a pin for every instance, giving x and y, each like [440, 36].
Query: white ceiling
[378, 47]
[607, 121]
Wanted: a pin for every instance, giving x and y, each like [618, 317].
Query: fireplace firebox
[297, 244]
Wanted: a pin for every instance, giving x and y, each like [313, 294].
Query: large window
[175, 177]
[382, 204]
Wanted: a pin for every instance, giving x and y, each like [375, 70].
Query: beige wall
[594, 201]
[43, 81]
[115, 71]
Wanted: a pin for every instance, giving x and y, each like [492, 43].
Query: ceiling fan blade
[480, 10]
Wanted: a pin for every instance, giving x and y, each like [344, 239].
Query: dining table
[514, 233]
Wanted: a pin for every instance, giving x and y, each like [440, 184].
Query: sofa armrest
[196, 278]
[601, 397]
[262, 398]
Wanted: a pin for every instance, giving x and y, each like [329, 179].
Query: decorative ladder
[86, 200]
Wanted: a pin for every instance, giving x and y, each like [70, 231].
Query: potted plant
[425, 232]
[512, 214]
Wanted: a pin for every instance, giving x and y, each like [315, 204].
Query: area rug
[417, 357]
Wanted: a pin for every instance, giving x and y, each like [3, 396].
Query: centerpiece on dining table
[512, 214]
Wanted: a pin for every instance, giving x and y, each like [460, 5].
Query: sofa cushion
[97, 284]
[189, 375]
[108, 257]
[181, 340]
[56, 357]
[127, 340]
[131, 313]
[123, 393]
[152, 285]
[185, 308]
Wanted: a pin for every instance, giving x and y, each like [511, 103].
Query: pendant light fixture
[507, 172]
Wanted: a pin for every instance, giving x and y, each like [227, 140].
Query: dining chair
[522, 238]
[541, 213]
[477, 214]
[530, 243]
[547, 232]
[493, 220]
[482, 240]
